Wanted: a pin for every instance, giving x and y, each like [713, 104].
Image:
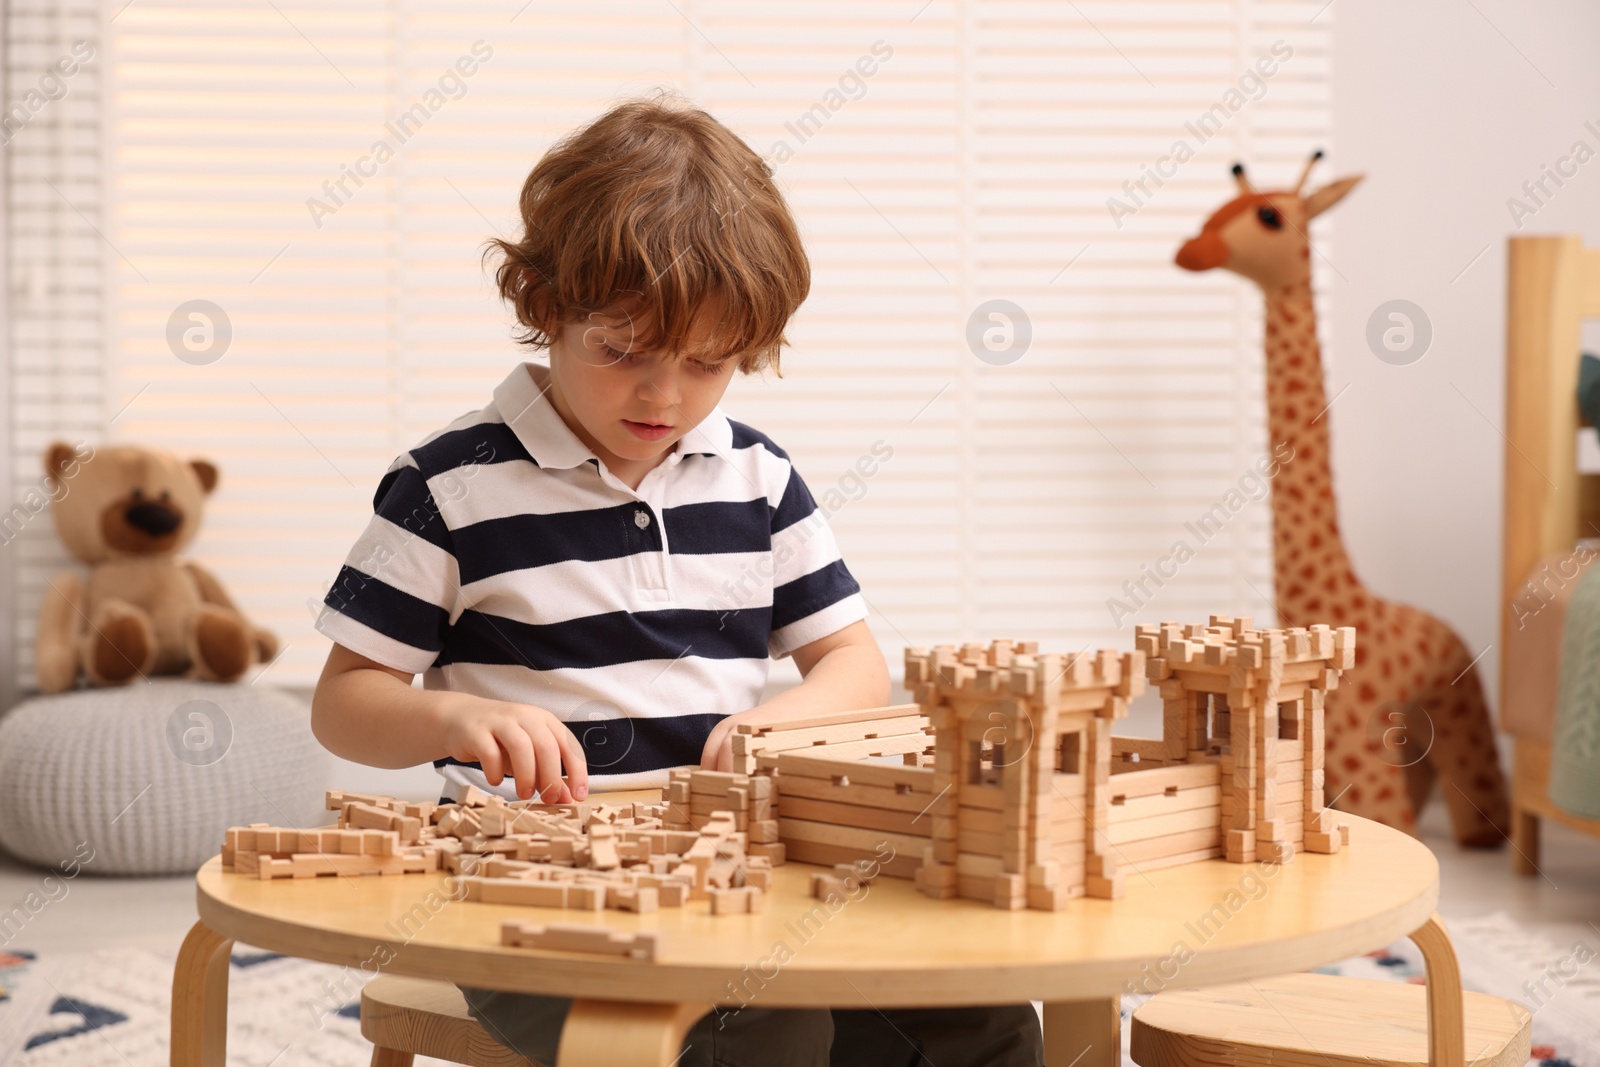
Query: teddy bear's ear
[57, 456]
[206, 472]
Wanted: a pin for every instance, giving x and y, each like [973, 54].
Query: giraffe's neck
[1313, 577]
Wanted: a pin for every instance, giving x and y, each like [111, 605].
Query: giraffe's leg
[1467, 762]
[1420, 777]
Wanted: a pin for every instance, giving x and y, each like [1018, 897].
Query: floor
[156, 912]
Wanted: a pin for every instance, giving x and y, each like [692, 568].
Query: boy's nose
[660, 385]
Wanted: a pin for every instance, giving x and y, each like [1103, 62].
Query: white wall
[1448, 120]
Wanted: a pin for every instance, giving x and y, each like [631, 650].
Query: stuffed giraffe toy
[1413, 707]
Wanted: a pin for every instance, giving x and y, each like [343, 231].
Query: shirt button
[641, 519]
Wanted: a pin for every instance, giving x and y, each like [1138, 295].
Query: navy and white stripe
[503, 559]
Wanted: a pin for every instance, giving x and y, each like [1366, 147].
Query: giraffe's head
[1262, 236]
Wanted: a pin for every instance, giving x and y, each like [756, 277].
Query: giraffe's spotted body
[1414, 684]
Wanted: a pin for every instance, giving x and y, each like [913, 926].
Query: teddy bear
[127, 511]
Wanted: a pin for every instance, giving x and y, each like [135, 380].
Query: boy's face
[629, 405]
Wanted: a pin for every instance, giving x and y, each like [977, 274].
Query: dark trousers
[1005, 1036]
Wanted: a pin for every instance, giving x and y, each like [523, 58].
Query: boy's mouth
[647, 431]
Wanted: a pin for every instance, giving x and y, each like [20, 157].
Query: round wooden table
[1200, 924]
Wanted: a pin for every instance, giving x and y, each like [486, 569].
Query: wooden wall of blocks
[835, 811]
[890, 731]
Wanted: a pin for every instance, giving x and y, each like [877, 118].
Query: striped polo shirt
[503, 559]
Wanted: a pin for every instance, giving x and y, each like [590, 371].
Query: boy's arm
[369, 713]
[841, 672]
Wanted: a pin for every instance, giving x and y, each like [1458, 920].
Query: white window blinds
[939, 156]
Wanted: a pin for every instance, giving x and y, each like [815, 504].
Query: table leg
[200, 999]
[607, 1033]
[1447, 1038]
[1087, 1033]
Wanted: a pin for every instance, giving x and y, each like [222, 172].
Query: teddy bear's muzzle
[154, 519]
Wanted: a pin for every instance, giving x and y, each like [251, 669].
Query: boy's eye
[707, 368]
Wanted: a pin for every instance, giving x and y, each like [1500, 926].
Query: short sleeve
[395, 594]
[814, 593]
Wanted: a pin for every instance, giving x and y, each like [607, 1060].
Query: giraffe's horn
[1306, 172]
[1238, 176]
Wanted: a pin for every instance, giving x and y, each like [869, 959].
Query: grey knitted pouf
[147, 778]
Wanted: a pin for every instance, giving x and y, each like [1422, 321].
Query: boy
[560, 565]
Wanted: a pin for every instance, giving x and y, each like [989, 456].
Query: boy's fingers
[524, 764]
[487, 749]
[572, 756]
[549, 770]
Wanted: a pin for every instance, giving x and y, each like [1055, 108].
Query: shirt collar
[523, 403]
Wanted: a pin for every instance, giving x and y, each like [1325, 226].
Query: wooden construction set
[1010, 789]
[587, 856]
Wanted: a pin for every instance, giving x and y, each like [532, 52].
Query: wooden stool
[406, 1017]
[1321, 1020]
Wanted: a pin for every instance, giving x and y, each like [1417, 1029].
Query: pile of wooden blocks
[694, 797]
[587, 856]
[375, 835]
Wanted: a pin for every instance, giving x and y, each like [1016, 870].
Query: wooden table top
[1200, 924]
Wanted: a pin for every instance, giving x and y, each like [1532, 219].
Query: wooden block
[1179, 858]
[978, 843]
[894, 711]
[587, 896]
[1239, 846]
[1052, 898]
[1122, 831]
[517, 933]
[603, 854]
[735, 901]
[903, 822]
[1010, 891]
[866, 840]
[1276, 851]
[1113, 888]
[1317, 841]
[714, 783]
[825, 885]
[777, 851]
[642, 900]
[492, 823]
[1140, 783]
[315, 864]
[808, 765]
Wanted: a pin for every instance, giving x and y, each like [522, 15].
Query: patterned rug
[111, 1007]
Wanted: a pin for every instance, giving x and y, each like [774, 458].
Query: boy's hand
[718, 752]
[525, 740]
